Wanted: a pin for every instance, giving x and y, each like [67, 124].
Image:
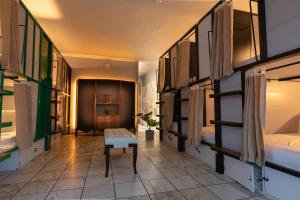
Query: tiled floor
[75, 168]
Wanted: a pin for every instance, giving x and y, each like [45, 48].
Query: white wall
[127, 71]
[149, 96]
[282, 106]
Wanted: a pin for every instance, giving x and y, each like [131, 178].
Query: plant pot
[149, 134]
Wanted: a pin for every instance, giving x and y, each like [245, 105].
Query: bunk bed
[283, 150]
[264, 44]
[34, 74]
[281, 138]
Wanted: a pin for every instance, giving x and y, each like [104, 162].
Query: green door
[44, 96]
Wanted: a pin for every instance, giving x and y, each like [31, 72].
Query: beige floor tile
[10, 189]
[208, 179]
[94, 171]
[98, 180]
[126, 178]
[143, 197]
[184, 182]
[78, 166]
[158, 185]
[47, 176]
[36, 187]
[99, 192]
[74, 172]
[197, 193]
[18, 178]
[227, 192]
[65, 194]
[69, 183]
[40, 196]
[173, 172]
[129, 189]
[173, 195]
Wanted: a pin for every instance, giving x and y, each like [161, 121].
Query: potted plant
[150, 123]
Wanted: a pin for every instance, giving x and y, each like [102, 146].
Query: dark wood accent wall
[127, 99]
[86, 105]
[96, 112]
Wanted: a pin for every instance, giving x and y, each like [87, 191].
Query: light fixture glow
[46, 9]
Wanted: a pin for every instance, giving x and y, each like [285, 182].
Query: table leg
[107, 158]
[134, 146]
[124, 150]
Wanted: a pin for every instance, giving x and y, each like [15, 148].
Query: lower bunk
[282, 167]
[204, 151]
[18, 158]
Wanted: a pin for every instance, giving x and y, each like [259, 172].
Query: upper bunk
[257, 37]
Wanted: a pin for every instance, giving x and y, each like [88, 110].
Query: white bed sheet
[7, 140]
[208, 134]
[283, 149]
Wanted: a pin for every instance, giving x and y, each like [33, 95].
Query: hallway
[75, 168]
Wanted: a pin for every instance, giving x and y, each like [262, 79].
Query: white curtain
[11, 58]
[183, 62]
[254, 118]
[222, 42]
[161, 75]
[168, 110]
[195, 122]
[24, 115]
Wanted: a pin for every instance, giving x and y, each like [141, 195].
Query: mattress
[7, 140]
[283, 149]
[208, 134]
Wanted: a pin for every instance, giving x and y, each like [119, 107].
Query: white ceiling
[118, 29]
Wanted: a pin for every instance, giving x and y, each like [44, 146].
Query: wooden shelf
[160, 102]
[227, 123]
[161, 116]
[183, 99]
[55, 101]
[55, 117]
[108, 104]
[105, 104]
[230, 93]
[183, 137]
[181, 118]
[5, 124]
[6, 92]
[107, 121]
[160, 129]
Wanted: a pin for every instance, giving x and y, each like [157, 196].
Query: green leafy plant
[147, 118]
